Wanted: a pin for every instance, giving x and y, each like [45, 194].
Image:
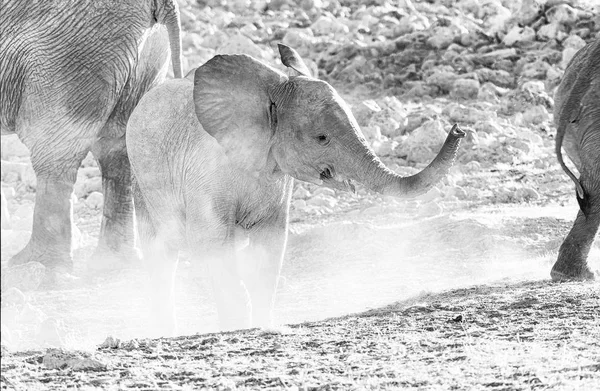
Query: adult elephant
[577, 117]
[214, 163]
[71, 72]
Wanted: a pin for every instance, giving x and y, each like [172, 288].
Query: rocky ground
[409, 70]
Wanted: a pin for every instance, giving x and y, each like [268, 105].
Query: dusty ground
[514, 330]
[531, 335]
[448, 291]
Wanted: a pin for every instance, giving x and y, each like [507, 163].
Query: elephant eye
[322, 139]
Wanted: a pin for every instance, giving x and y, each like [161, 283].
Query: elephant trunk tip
[457, 132]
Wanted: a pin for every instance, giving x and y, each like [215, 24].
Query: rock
[460, 113]
[364, 111]
[529, 11]
[562, 14]
[496, 14]
[321, 200]
[95, 200]
[324, 191]
[13, 148]
[301, 39]
[328, 25]
[490, 92]
[22, 172]
[442, 36]
[464, 89]
[526, 194]
[530, 93]
[384, 146]
[90, 172]
[62, 359]
[574, 41]
[89, 161]
[301, 193]
[471, 167]
[299, 204]
[519, 35]
[526, 134]
[571, 46]
[240, 44]
[24, 277]
[91, 185]
[458, 192]
[498, 77]
[444, 80]
[549, 31]
[535, 70]
[535, 115]
[372, 133]
[187, 19]
[196, 58]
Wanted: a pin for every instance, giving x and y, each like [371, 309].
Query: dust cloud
[331, 268]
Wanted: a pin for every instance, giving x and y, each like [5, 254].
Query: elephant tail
[560, 135]
[168, 15]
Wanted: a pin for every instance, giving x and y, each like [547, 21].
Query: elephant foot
[562, 272]
[105, 259]
[44, 255]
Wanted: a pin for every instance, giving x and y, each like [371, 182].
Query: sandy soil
[531, 335]
[513, 330]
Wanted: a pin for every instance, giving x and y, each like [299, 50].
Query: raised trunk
[170, 18]
[379, 178]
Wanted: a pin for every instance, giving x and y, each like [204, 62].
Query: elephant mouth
[335, 181]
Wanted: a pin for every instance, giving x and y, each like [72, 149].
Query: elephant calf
[213, 164]
[577, 118]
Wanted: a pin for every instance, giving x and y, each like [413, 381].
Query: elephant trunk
[168, 15]
[379, 178]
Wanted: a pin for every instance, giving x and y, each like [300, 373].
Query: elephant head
[259, 114]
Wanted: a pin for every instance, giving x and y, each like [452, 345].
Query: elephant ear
[291, 59]
[233, 102]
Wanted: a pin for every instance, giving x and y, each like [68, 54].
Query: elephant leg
[162, 260]
[116, 242]
[161, 256]
[261, 268]
[50, 242]
[572, 255]
[231, 297]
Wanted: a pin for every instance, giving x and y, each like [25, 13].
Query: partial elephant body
[577, 117]
[70, 75]
[190, 195]
[214, 163]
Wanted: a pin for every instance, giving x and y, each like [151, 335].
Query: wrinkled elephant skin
[214, 162]
[71, 72]
[577, 117]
